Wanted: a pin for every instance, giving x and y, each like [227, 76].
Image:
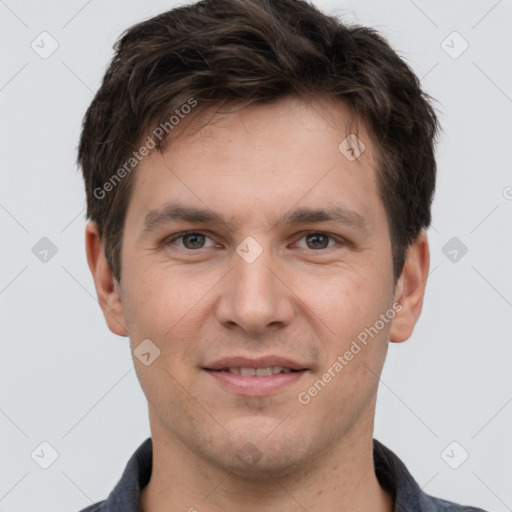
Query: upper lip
[260, 362]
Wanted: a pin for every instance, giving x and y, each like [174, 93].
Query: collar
[389, 469]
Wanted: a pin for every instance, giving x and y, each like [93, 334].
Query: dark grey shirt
[390, 470]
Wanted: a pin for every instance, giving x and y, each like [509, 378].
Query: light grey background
[66, 380]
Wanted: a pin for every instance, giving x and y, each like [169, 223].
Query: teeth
[259, 372]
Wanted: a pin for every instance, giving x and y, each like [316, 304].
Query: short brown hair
[217, 52]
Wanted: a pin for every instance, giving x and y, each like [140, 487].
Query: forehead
[263, 158]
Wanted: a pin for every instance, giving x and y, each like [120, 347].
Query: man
[259, 180]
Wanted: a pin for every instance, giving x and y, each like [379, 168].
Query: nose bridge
[255, 298]
[254, 281]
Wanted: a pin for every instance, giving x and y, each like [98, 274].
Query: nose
[255, 297]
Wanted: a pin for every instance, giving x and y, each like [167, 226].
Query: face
[257, 243]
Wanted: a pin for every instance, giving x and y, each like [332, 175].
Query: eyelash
[169, 240]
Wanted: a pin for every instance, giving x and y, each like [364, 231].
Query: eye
[317, 241]
[190, 240]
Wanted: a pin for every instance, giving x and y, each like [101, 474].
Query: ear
[107, 287]
[410, 289]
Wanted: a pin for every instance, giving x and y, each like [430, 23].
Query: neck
[341, 480]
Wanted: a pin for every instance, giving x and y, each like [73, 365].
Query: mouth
[246, 371]
[255, 377]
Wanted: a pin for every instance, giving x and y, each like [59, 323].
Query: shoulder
[440, 505]
[125, 497]
[393, 474]
[101, 506]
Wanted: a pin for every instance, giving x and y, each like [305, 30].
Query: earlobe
[107, 287]
[410, 289]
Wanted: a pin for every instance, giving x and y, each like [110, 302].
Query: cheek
[165, 299]
[169, 307]
[354, 337]
[345, 301]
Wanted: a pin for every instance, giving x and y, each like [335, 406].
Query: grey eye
[317, 241]
[193, 240]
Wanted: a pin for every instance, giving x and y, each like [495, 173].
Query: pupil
[195, 239]
[317, 241]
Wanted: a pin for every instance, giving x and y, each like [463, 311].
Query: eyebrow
[173, 212]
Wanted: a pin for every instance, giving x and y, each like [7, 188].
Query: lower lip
[255, 386]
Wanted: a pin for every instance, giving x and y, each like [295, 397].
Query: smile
[256, 372]
[255, 381]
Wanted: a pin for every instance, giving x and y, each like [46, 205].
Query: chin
[265, 466]
[265, 454]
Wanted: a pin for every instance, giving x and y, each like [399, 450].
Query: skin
[299, 299]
